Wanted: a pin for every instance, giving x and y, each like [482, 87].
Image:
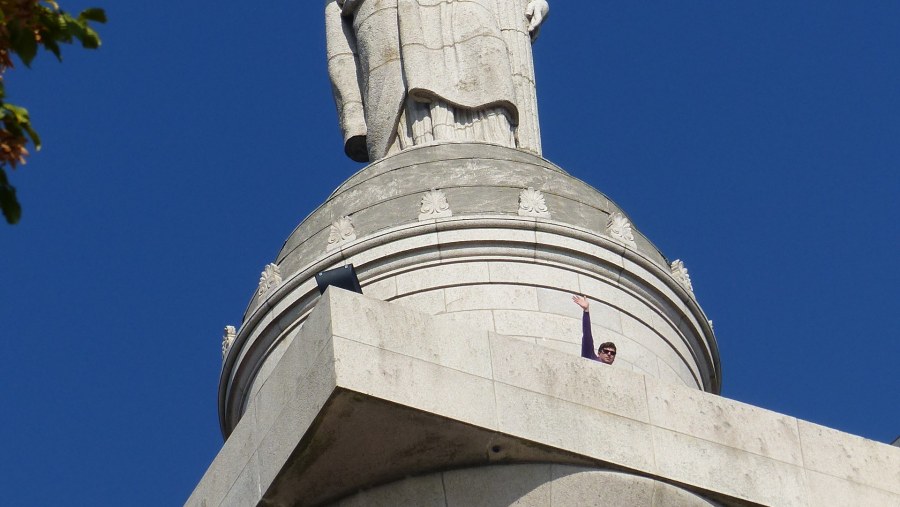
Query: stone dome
[492, 237]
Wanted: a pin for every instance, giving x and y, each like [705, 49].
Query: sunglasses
[608, 352]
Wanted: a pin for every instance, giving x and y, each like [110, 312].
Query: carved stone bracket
[342, 231]
[227, 340]
[434, 205]
[269, 279]
[532, 204]
[619, 228]
[680, 273]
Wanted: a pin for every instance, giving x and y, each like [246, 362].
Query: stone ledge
[371, 392]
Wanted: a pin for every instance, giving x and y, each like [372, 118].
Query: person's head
[607, 352]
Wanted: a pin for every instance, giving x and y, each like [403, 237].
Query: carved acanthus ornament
[269, 279]
[342, 231]
[619, 228]
[227, 340]
[434, 205]
[532, 204]
[680, 273]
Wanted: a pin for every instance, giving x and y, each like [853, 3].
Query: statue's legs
[438, 121]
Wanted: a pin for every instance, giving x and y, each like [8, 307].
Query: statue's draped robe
[408, 72]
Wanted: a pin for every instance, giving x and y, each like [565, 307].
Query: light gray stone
[391, 328]
[574, 427]
[384, 289]
[425, 491]
[724, 421]
[531, 274]
[429, 301]
[246, 489]
[829, 491]
[479, 319]
[579, 486]
[540, 325]
[406, 380]
[443, 275]
[849, 457]
[395, 399]
[715, 467]
[494, 296]
[568, 377]
[519, 485]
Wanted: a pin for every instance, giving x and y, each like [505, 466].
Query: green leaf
[12, 210]
[52, 46]
[93, 14]
[19, 122]
[22, 42]
[90, 39]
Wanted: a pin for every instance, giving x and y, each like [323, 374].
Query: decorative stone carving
[269, 279]
[412, 72]
[680, 273]
[434, 205]
[532, 204]
[342, 231]
[227, 340]
[619, 228]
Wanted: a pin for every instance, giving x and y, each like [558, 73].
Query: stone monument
[412, 72]
[456, 380]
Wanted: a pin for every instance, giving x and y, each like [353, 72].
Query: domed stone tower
[487, 237]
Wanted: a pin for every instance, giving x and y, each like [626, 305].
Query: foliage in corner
[26, 25]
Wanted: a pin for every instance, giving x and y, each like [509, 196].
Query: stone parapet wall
[372, 392]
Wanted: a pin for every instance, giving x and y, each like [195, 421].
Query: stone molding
[479, 179]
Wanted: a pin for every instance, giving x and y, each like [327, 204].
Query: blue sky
[757, 141]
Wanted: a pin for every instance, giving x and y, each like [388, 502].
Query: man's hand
[582, 302]
[536, 11]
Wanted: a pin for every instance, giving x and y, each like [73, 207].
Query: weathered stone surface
[400, 393]
[724, 421]
[849, 457]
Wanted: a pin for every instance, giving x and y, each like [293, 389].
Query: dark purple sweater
[587, 339]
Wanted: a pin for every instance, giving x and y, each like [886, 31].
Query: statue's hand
[536, 11]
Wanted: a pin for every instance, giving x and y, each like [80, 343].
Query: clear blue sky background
[758, 141]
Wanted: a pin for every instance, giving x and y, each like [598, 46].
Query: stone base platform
[371, 393]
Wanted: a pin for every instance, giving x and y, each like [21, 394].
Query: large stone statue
[409, 72]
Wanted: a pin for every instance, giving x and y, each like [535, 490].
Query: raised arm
[587, 339]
